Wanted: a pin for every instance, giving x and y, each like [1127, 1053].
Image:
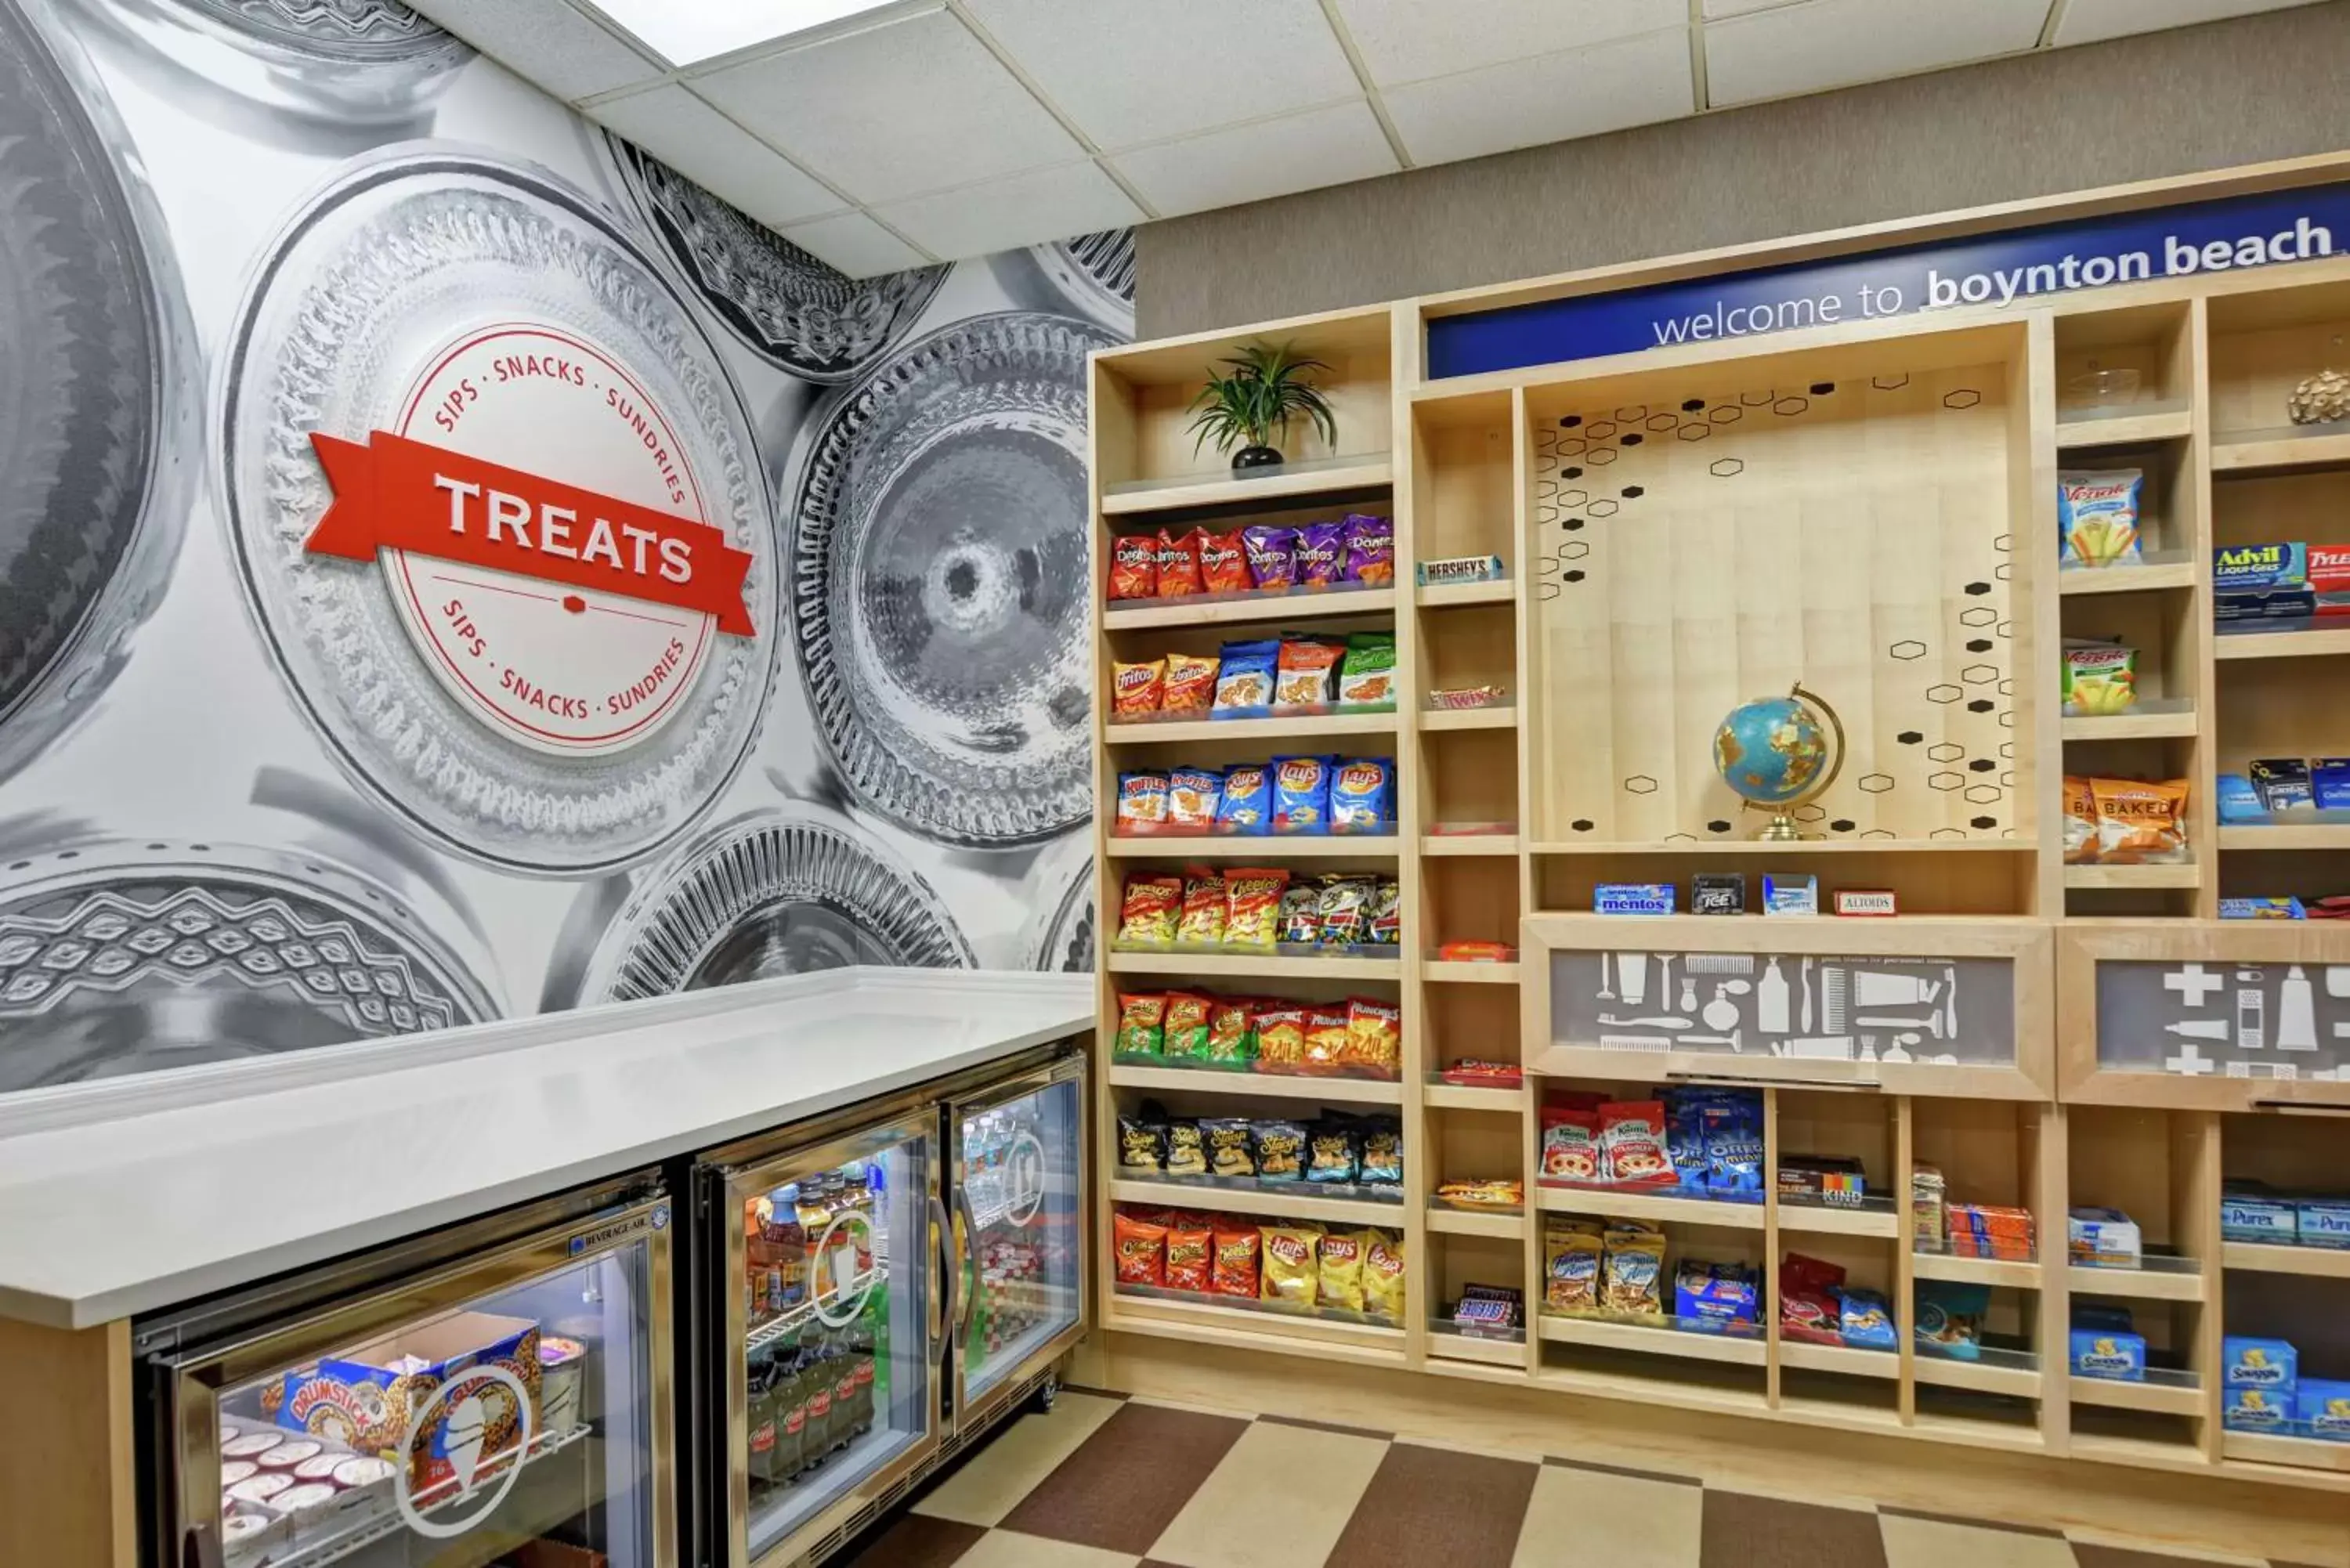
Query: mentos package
[2248, 1362]
[2322, 1222]
[2321, 1409]
[1246, 806]
[1362, 796]
[2252, 1215]
[2108, 1354]
[1301, 795]
[2256, 1410]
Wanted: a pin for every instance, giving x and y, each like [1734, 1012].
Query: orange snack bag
[2080, 821]
[1252, 912]
[1374, 1037]
[1137, 688]
[1141, 1249]
[1191, 684]
[1279, 1038]
[1191, 1248]
[2141, 824]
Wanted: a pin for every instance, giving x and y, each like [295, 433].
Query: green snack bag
[1231, 1034]
[1366, 675]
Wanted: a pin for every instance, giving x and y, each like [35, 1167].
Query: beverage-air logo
[546, 540]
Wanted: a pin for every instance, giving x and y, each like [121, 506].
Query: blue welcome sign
[2006, 268]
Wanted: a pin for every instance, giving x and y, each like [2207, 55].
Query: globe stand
[1781, 830]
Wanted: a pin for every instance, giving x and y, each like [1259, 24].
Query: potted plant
[1252, 406]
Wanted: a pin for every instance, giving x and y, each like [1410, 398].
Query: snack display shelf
[1291, 480]
[2152, 719]
[1501, 716]
[2318, 1262]
[1875, 1218]
[1438, 1095]
[1273, 729]
[1465, 844]
[1280, 847]
[1468, 972]
[2278, 1448]
[1502, 1224]
[2287, 836]
[1272, 1085]
[2124, 428]
[1255, 1324]
[2014, 1372]
[2186, 873]
[530, 1509]
[2271, 452]
[788, 1322]
[1491, 1348]
[1272, 965]
[1620, 1203]
[2162, 1280]
[2281, 644]
[1996, 1272]
[1202, 609]
[1445, 595]
[1658, 1336]
[2164, 1393]
[2161, 571]
[1850, 1360]
[1762, 849]
[1288, 1199]
[1715, 1393]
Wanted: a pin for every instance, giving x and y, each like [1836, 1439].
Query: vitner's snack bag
[1189, 686]
[1141, 803]
[1362, 796]
[2080, 821]
[1134, 567]
[2096, 517]
[2141, 824]
[1235, 1270]
[1366, 673]
[1253, 909]
[1383, 1276]
[1272, 556]
[1301, 795]
[1179, 565]
[1141, 1251]
[1224, 563]
[1137, 688]
[1245, 676]
[1292, 1273]
[1307, 675]
[1141, 1024]
[1148, 913]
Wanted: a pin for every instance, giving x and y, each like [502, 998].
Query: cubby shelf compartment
[1463, 972]
[1447, 596]
[2266, 1448]
[2180, 1397]
[2258, 452]
[1759, 847]
[1471, 1097]
[1737, 1350]
[2287, 836]
[1244, 1200]
[1499, 1224]
[2144, 723]
[1208, 1322]
[1243, 731]
[1844, 1358]
[2124, 430]
[2137, 1284]
[2147, 578]
[1198, 1081]
[1613, 1203]
[1822, 1220]
[1231, 966]
[2318, 1262]
[1495, 718]
[1978, 1377]
[2185, 875]
[1456, 845]
[1274, 848]
[1150, 615]
[1993, 1271]
[1448, 1345]
[1291, 480]
[2281, 644]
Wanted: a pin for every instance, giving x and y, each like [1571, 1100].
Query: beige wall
[2274, 86]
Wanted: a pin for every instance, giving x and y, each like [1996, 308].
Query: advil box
[2261, 582]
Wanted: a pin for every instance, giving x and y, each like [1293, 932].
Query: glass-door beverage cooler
[1020, 1232]
[496, 1396]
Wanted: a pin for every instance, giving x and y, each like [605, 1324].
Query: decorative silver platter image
[98, 377]
[344, 62]
[1091, 275]
[800, 314]
[784, 891]
[1061, 932]
[370, 298]
[123, 957]
[939, 581]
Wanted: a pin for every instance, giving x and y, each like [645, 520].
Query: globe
[1772, 751]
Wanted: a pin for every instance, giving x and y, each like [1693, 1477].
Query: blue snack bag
[1867, 1319]
[1362, 796]
[1244, 677]
[1247, 805]
[1301, 795]
[1733, 1148]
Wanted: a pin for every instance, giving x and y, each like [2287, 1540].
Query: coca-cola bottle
[791, 1413]
[821, 1440]
[764, 1382]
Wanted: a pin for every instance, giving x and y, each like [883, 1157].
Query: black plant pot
[1255, 457]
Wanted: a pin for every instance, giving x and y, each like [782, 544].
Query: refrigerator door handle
[200, 1548]
[957, 1257]
[942, 1255]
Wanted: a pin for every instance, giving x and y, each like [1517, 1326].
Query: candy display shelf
[1684, 530]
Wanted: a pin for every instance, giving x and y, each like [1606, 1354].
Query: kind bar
[2141, 824]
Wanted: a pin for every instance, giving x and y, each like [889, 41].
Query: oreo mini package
[1301, 795]
[1362, 796]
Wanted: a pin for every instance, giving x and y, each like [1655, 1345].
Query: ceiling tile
[1715, 10]
[1002, 214]
[687, 134]
[1554, 99]
[1407, 40]
[856, 245]
[1327, 146]
[1835, 42]
[546, 41]
[894, 110]
[2088, 21]
[1130, 73]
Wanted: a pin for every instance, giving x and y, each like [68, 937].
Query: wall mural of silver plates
[98, 391]
[122, 956]
[804, 318]
[939, 580]
[1092, 274]
[399, 258]
[787, 891]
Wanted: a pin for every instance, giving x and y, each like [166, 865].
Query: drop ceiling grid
[923, 129]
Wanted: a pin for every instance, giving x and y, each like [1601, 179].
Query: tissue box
[2248, 1362]
[2258, 1217]
[2101, 1352]
[2106, 1238]
[2322, 1410]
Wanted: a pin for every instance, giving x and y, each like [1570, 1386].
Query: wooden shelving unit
[1737, 546]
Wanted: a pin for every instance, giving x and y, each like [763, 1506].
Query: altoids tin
[119, 957]
[794, 311]
[790, 891]
[939, 581]
[98, 390]
[366, 63]
[498, 510]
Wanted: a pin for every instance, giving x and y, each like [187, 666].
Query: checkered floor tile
[1105, 1481]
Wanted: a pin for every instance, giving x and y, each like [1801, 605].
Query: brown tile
[1888, 1510]
[916, 1540]
[1130, 1479]
[1621, 1470]
[1324, 1427]
[1432, 1505]
[1744, 1531]
[2094, 1554]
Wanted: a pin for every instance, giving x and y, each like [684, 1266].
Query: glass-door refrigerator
[493, 1395]
[1017, 1148]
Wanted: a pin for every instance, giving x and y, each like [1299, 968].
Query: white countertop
[120, 1197]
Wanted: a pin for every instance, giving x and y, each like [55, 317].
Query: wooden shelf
[1461, 844]
[2317, 644]
[1208, 1322]
[2154, 575]
[1822, 1220]
[1287, 482]
[1466, 973]
[1801, 846]
[1499, 1225]
[2266, 1448]
[2134, 1284]
[1974, 1271]
[1300, 1204]
[1498, 718]
[2153, 1399]
[2137, 724]
[1976, 1376]
[1274, 968]
[1476, 1348]
[1462, 1098]
[2188, 875]
[1274, 848]
[1276, 1086]
[2319, 1262]
[1446, 596]
[2122, 429]
[1146, 615]
[2287, 836]
[1244, 732]
[1844, 1358]
[1611, 1204]
[2280, 455]
[1660, 1341]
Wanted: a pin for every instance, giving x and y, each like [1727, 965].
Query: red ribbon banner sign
[394, 493]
